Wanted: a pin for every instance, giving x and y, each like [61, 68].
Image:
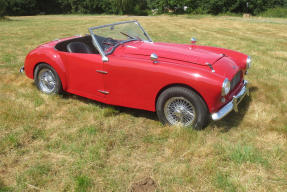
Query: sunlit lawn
[68, 143]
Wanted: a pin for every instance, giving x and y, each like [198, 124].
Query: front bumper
[232, 104]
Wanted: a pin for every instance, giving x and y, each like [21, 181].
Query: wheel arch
[58, 71]
[49, 56]
[178, 85]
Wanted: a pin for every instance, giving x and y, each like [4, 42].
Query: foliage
[21, 7]
[138, 7]
[3, 6]
[214, 6]
[275, 12]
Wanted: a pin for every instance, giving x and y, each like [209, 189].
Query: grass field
[68, 143]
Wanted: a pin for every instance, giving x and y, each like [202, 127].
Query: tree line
[136, 7]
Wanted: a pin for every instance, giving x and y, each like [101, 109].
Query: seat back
[79, 47]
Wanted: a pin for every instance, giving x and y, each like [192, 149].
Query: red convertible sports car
[119, 64]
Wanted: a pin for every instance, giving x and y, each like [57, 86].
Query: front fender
[198, 78]
[239, 58]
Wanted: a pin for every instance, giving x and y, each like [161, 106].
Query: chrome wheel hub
[47, 81]
[179, 110]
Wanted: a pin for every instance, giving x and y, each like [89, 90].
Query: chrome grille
[235, 80]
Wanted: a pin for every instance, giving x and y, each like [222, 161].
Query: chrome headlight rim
[225, 87]
[248, 62]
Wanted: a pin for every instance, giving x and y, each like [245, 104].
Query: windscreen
[111, 36]
[122, 32]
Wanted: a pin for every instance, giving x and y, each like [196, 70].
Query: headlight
[248, 62]
[225, 87]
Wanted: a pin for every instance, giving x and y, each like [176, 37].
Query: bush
[275, 12]
[215, 6]
[3, 6]
[139, 11]
[21, 7]
[138, 7]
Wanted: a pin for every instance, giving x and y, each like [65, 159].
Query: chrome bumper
[232, 104]
[22, 69]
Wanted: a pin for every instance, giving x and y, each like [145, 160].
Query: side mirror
[193, 40]
[154, 58]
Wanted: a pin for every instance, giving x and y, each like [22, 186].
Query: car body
[131, 70]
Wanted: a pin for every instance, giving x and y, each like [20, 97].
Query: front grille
[235, 80]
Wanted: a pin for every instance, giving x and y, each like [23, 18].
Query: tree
[3, 6]
[22, 7]
[136, 7]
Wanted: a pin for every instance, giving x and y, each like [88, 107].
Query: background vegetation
[137, 7]
[68, 143]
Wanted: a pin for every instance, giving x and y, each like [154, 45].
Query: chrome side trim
[103, 72]
[232, 104]
[104, 92]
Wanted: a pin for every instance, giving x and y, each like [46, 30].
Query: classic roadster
[119, 64]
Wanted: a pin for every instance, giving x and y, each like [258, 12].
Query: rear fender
[49, 57]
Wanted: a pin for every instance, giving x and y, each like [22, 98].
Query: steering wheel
[108, 42]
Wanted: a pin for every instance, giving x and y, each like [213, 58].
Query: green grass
[83, 183]
[244, 153]
[223, 181]
[275, 12]
[69, 143]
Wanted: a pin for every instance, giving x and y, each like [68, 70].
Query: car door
[86, 75]
[130, 82]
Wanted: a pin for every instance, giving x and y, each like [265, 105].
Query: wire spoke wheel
[179, 110]
[47, 81]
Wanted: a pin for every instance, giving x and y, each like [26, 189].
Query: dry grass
[68, 143]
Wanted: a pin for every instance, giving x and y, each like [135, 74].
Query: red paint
[133, 80]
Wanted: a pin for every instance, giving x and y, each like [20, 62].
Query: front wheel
[47, 79]
[182, 106]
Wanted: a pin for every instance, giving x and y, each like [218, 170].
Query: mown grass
[69, 143]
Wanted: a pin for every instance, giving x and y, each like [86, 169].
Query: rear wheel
[182, 106]
[47, 79]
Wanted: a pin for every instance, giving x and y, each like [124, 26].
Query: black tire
[57, 82]
[199, 107]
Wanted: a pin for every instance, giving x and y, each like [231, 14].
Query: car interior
[79, 45]
[85, 45]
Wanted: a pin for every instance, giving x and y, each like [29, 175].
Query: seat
[79, 47]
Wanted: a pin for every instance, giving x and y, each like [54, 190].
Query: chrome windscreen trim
[232, 105]
[97, 45]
